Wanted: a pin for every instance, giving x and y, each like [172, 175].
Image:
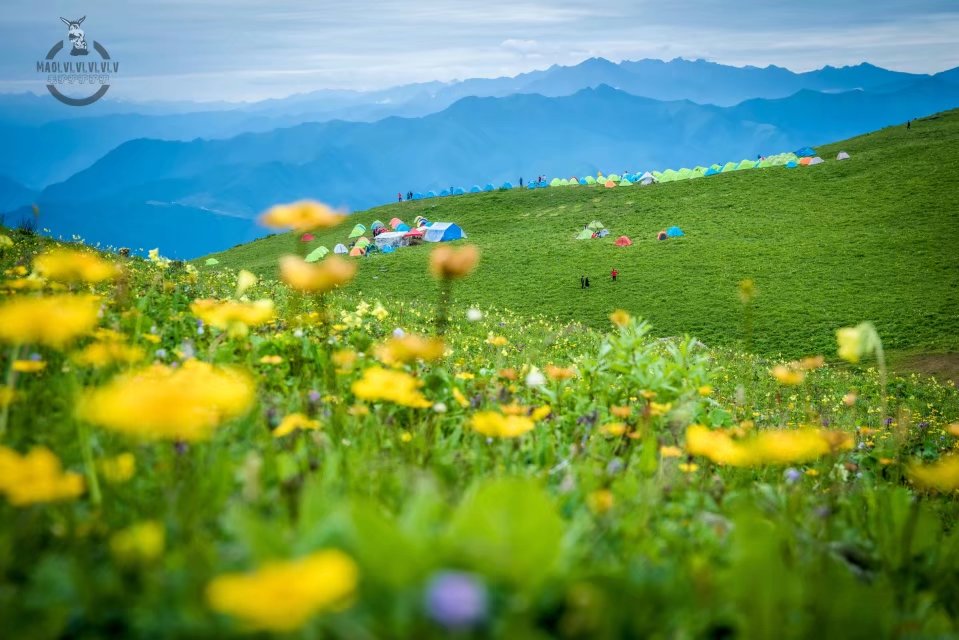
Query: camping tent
[489, 187]
[792, 164]
[444, 193]
[842, 156]
[376, 225]
[507, 185]
[610, 184]
[363, 242]
[357, 251]
[357, 231]
[419, 232]
[395, 222]
[661, 235]
[746, 164]
[806, 152]
[392, 239]
[211, 262]
[555, 182]
[602, 233]
[729, 166]
[595, 225]
[430, 194]
[458, 191]
[816, 160]
[387, 249]
[443, 232]
[316, 254]
[417, 196]
[804, 161]
[625, 183]
[584, 182]
[585, 234]
[674, 232]
[623, 241]
[647, 178]
[307, 237]
[403, 227]
[710, 172]
[475, 189]
[340, 249]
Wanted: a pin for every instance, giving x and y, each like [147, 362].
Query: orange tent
[357, 252]
[805, 161]
[610, 184]
[623, 241]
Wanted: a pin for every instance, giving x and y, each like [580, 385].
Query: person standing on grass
[908, 124]
[399, 197]
[582, 282]
[614, 273]
[587, 282]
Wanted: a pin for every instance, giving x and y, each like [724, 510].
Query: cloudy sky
[253, 49]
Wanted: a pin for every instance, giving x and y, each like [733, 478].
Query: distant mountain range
[192, 182]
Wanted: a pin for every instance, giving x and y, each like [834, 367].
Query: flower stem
[10, 383]
[83, 435]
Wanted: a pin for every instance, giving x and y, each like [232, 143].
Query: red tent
[415, 233]
[307, 237]
[623, 241]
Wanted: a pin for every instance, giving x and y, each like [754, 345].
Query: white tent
[341, 249]
[393, 239]
[647, 179]
[842, 156]
[443, 232]
[816, 160]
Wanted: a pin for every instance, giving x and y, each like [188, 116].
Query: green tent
[585, 234]
[746, 164]
[211, 262]
[590, 180]
[685, 174]
[362, 243]
[657, 175]
[357, 231]
[715, 167]
[614, 178]
[595, 225]
[729, 166]
[316, 254]
[625, 183]
[555, 182]
[699, 169]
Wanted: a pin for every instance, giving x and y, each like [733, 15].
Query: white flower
[535, 378]
[439, 407]
[398, 333]
[474, 315]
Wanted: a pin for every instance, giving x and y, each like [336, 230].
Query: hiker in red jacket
[399, 197]
[614, 273]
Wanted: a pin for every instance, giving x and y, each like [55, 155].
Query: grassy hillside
[873, 238]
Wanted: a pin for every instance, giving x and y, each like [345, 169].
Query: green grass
[874, 238]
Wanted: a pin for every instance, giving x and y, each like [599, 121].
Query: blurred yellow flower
[619, 318]
[271, 359]
[406, 436]
[541, 413]
[409, 348]
[233, 316]
[53, 321]
[304, 215]
[460, 398]
[769, 447]
[141, 543]
[952, 429]
[160, 402]
[70, 265]
[118, 469]
[747, 291]
[688, 467]
[787, 375]
[496, 341]
[668, 451]
[36, 477]
[621, 412]
[942, 475]
[600, 501]
[379, 384]
[316, 278]
[283, 596]
[613, 429]
[244, 281]
[659, 409]
[102, 354]
[7, 396]
[812, 362]
[295, 421]
[28, 366]
[705, 390]
[5, 241]
[495, 425]
[559, 373]
[447, 263]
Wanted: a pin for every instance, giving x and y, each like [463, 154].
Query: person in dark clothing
[613, 274]
[399, 197]
[587, 282]
[909, 124]
[582, 282]
[521, 183]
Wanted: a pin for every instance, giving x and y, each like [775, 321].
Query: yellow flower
[271, 359]
[141, 543]
[283, 596]
[5, 241]
[496, 341]
[688, 467]
[7, 396]
[787, 375]
[151, 338]
[232, 316]
[244, 281]
[613, 429]
[464, 375]
[295, 421]
[160, 402]
[447, 263]
[952, 429]
[379, 312]
[460, 398]
[856, 342]
[942, 475]
[621, 412]
[359, 410]
[747, 291]
[316, 278]
[560, 373]
[36, 477]
[305, 215]
[496, 425]
[670, 452]
[344, 359]
[541, 413]
[600, 501]
[406, 436]
[850, 398]
[118, 469]
[29, 366]
[410, 348]
[812, 362]
[53, 321]
[659, 409]
[769, 447]
[379, 384]
[101, 354]
[69, 265]
[705, 390]
[619, 318]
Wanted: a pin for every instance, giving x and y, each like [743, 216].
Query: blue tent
[507, 185]
[430, 194]
[543, 184]
[475, 189]
[674, 232]
[417, 196]
[402, 227]
[387, 249]
[443, 232]
[458, 191]
[791, 164]
[806, 152]
[531, 185]
[583, 182]
[444, 193]
[489, 187]
[710, 172]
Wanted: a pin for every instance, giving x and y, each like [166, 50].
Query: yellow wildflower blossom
[118, 469]
[53, 321]
[70, 265]
[669, 451]
[316, 278]
[102, 354]
[29, 366]
[409, 348]
[942, 475]
[141, 543]
[788, 374]
[295, 421]
[496, 425]
[619, 318]
[36, 477]
[305, 215]
[447, 263]
[600, 501]
[233, 316]
[379, 384]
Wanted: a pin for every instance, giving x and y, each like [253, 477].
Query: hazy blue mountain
[14, 195]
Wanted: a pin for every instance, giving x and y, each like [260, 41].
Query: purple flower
[398, 333]
[888, 421]
[456, 600]
[792, 475]
[314, 396]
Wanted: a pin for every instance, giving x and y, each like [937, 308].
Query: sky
[240, 50]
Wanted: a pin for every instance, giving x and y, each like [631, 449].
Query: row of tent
[805, 156]
[596, 229]
[387, 239]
